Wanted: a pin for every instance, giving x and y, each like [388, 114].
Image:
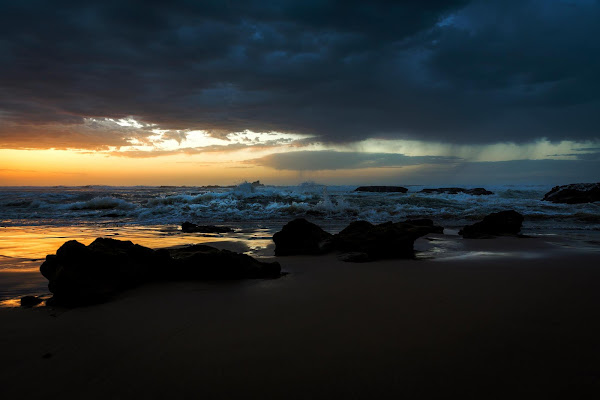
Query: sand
[495, 319]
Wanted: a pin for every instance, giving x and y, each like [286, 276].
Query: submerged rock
[188, 227]
[360, 241]
[382, 189]
[473, 192]
[301, 237]
[30, 301]
[80, 274]
[574, 193]
[496, 224]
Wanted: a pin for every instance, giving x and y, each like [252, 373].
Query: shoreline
[479, 327]
[21, 276]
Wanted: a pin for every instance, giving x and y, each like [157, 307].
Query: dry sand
[510, 318]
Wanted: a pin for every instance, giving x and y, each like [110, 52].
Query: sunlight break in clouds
[151, 138]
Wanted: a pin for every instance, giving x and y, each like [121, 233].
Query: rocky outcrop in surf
[574, 193]
[381, 189]
[80, 274]
[473, 192]
[502, 223]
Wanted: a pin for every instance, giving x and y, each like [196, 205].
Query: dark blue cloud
[453, 71]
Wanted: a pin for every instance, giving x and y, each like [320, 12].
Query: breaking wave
[101, 203]
[247, 203]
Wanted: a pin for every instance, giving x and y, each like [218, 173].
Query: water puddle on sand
[35, 242]
[23, 249]
[15, 302]
[454, 247]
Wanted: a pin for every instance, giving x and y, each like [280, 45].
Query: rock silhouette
[574, 193]
[80, 274]
[361, 240]
[495, 224]
[473, 192]
[382, 189]
[301, 237]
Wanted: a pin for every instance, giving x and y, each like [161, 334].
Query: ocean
[35, 221]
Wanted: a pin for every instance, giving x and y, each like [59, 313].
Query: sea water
[35, 221]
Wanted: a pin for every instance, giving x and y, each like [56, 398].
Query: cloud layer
[332, 160]
[451, 71]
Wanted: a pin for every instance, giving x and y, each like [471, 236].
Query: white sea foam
[246, 203]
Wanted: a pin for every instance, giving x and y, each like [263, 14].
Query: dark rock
[360, 241]
[30, 301]
[473, 192]
[443, 190]
[496, 224]
[201, 262]
[257, 184]
[478, 192]
[80, 274]
[574, 193]
[387, 240]
[301, 237]
[188, 227]
[382, 189]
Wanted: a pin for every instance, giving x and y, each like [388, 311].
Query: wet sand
[502, 318]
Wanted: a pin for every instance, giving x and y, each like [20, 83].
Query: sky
[338, 92]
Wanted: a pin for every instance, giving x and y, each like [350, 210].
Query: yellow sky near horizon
[68, 167]
[203, 160]
[71, 168]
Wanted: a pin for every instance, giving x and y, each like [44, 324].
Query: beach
[299, 200]
[497, 318]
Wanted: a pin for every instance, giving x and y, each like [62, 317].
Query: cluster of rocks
[362, 240]
[453, 190]
[80, 274]
[574, 193]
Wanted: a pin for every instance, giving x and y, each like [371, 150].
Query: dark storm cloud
[454, 71]
[550, 172]
[332, 160]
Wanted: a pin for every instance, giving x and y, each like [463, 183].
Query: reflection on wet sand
[35, 242]
[24, 248]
